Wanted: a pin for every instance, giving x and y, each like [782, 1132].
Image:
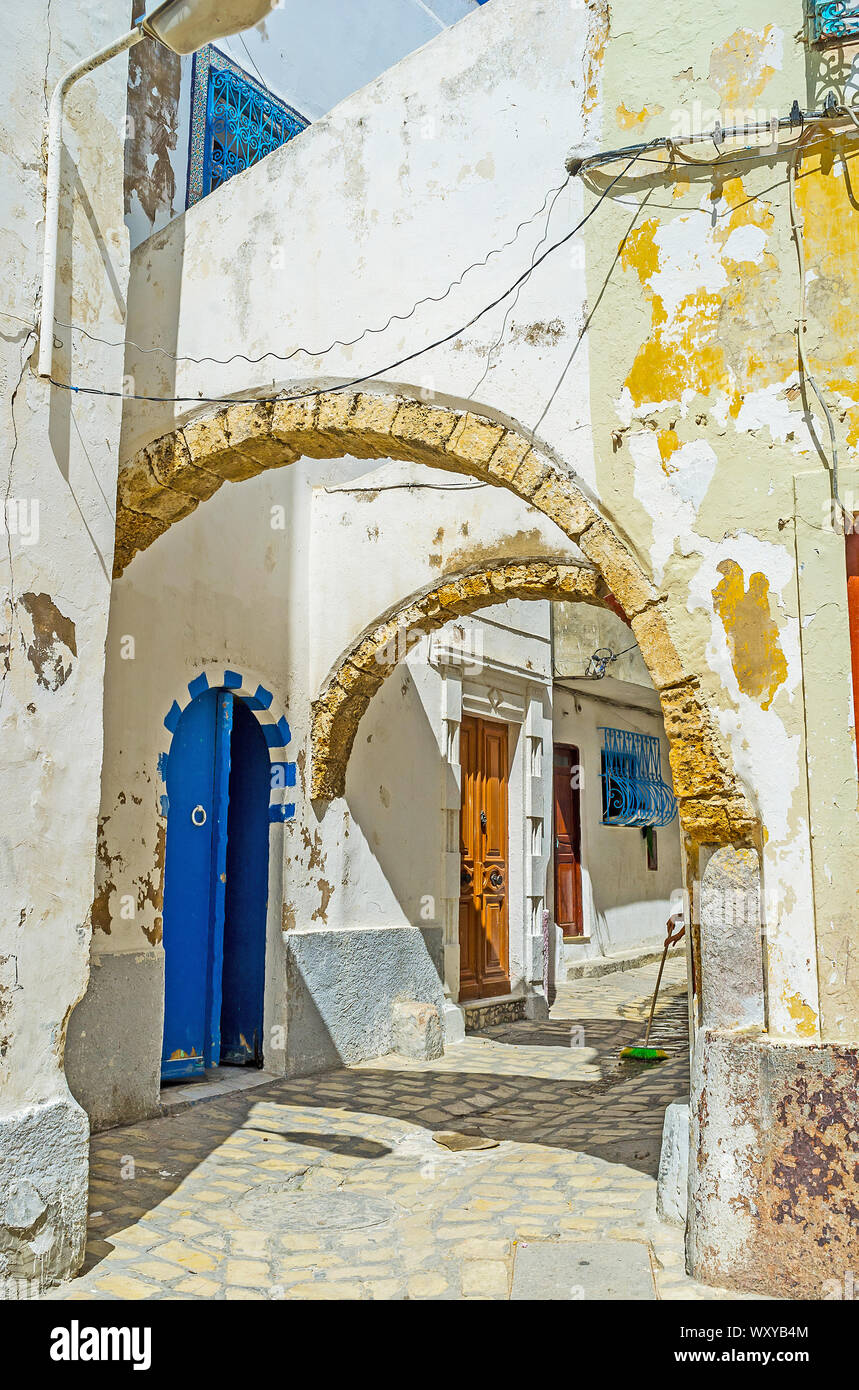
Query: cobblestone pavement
[332, 1187]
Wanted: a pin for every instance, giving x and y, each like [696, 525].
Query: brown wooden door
[568, 842]
[483, 919]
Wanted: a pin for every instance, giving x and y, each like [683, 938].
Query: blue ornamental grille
[835, 19]
[633, 792]
[243, 125]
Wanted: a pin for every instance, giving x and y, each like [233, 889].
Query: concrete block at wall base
[342, 985]
[673, 1181]
[453, 1021]
[113, 1048]
[416, 1030]
[536, 1005]
[43, 1196]
[773, 1195]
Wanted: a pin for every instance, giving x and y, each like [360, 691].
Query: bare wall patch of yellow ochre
[710, 340]
[629, 120]
[597, 40]
[803, 1015]
[753, 638]
[742, 67]
[827, 198]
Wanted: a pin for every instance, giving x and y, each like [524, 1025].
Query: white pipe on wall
[52, 200]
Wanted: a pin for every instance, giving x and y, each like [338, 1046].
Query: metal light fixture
[185, 25]
[182, 26]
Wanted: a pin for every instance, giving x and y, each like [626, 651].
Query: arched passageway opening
[169, 478]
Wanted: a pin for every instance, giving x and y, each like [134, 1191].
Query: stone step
[486, 1013]
[627, 960]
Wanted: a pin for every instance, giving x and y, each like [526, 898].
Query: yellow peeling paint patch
[668, 442]
[705, 344]
[803, 1015]
[756, 655]
[826, 197]
[596, 54]
[628, 120]
[680, 354]
[741, 67]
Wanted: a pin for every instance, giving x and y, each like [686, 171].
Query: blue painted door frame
[214, 928]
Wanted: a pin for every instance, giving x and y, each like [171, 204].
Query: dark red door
[568, 842]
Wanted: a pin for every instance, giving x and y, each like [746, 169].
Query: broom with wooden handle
[645, 1053]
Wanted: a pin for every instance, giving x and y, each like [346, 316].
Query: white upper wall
[433, 190]
[401, 527]
[310, 53]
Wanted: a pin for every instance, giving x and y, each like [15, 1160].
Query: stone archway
[168, 478]
[362, 669]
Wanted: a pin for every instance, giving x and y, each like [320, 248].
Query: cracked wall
[701, 405]
[59, 465]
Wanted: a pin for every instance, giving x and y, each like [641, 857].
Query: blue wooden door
[247, 893]
[218, 891]
[215, 887]
[194, 885]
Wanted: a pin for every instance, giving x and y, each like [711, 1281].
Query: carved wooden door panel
[483, 908]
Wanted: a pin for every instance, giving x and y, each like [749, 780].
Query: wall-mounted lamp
[181, 25]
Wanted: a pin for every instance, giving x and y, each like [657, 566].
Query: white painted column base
[453, 1021]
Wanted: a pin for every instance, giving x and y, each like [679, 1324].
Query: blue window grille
[235, 122]
[835, 20]
[633, 792]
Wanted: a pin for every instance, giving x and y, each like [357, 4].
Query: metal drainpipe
[52, 199]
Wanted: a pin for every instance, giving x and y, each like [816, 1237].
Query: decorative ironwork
[834, 20]
[235, 122]
[633, 792]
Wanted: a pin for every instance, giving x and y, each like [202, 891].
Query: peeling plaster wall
[59, 464]
[697, 405]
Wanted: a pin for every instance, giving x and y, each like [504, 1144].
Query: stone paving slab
[607, 1269]
[331, 1186]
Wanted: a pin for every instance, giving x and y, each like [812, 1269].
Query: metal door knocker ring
[198, 816]
[496, 879]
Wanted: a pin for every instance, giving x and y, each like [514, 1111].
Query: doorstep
[217, 1081]
[486, 1013]
[628, 960]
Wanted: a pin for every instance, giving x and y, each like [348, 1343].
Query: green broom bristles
[645, 1054]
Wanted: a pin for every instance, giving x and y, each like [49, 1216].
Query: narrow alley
[335, 1185]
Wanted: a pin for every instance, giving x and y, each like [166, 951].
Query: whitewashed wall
[59, 456]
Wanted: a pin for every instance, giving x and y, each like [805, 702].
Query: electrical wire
[597, 664]
[254, 66]
[379, 371]
[831, 111]
[336, 342]
[798, 227]
[603, 658]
